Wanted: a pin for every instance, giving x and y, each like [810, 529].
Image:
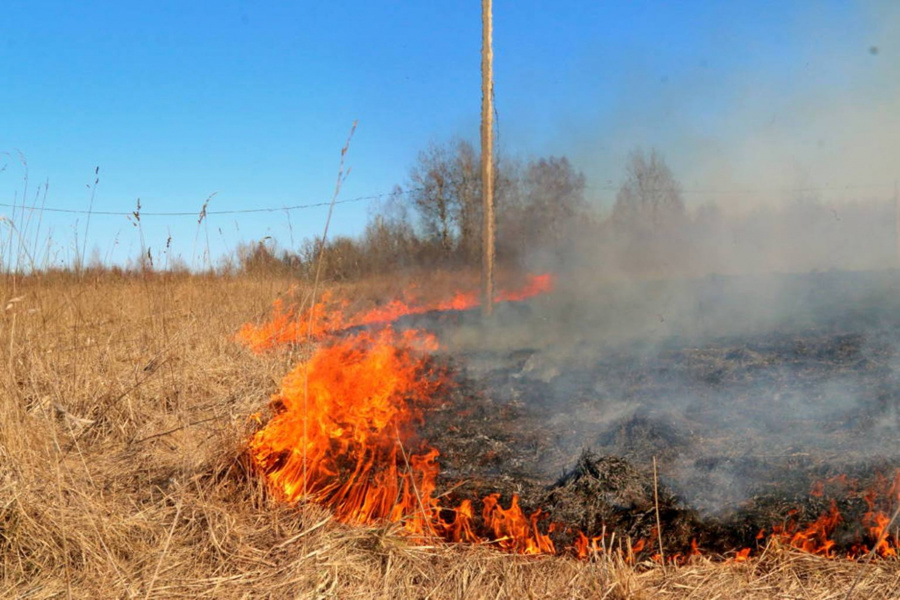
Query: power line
[273, 209]
[242, 211]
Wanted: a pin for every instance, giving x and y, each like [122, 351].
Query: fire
[876, 520]
[627, 550]
[513, 530]
[290, 325]
[537, 284]
[585, 546]
[818, 537]
[343, 435]
[342, 421]
[287, 327]
[343, 430]
[741, 556]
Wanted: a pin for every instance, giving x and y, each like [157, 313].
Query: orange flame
[741, 556]
[342, 419]
[817, 537]
[513, 530]
[342, 435]
[286, 326]
[586, 547]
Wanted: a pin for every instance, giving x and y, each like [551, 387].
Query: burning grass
[123, 471]
[343, 417]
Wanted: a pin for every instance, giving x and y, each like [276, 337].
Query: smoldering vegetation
[751, 355]
[761, 399]
[748, 390]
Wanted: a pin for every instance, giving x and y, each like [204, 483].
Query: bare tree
[554, 197]
[651, 196]
[389, 240]
[466, 175]
[536, 203]
[446, 196]
[541, 203]
[431, 180]
[650, 227]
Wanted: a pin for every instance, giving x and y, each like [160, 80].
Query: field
[126, 411]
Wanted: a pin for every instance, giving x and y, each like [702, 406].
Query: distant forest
[545, 221]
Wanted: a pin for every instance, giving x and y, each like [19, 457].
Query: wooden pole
[487, 158]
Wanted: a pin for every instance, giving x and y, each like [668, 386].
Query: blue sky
[252, 101]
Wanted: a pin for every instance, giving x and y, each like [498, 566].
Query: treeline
[434, 220]
[544, 219]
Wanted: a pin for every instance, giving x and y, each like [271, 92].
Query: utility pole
[487, 158]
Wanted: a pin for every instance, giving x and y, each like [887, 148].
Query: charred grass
[125, 408]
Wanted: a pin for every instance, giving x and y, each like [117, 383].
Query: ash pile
[764, 401]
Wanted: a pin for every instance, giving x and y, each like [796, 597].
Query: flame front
[343, 420]
[871, 531]
[288, 325]
[342, 435]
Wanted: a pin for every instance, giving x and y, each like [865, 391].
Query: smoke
[740, 386]
[810, 100]
[785, 149]
[750, 345]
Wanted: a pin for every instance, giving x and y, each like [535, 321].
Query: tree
[466, 180]
[389, 240]
[536, 203]
[650, 197]
[554, 197]
[445, 194]
[541, 203]
[649, 223]
[432, 195]
[259, 257]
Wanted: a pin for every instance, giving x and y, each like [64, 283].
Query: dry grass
[123, 409]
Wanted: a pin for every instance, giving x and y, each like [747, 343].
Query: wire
[242, 211]
[272, 209]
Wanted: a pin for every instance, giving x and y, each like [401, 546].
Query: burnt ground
[742, 424]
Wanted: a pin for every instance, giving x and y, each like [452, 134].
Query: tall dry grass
[123, 413]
